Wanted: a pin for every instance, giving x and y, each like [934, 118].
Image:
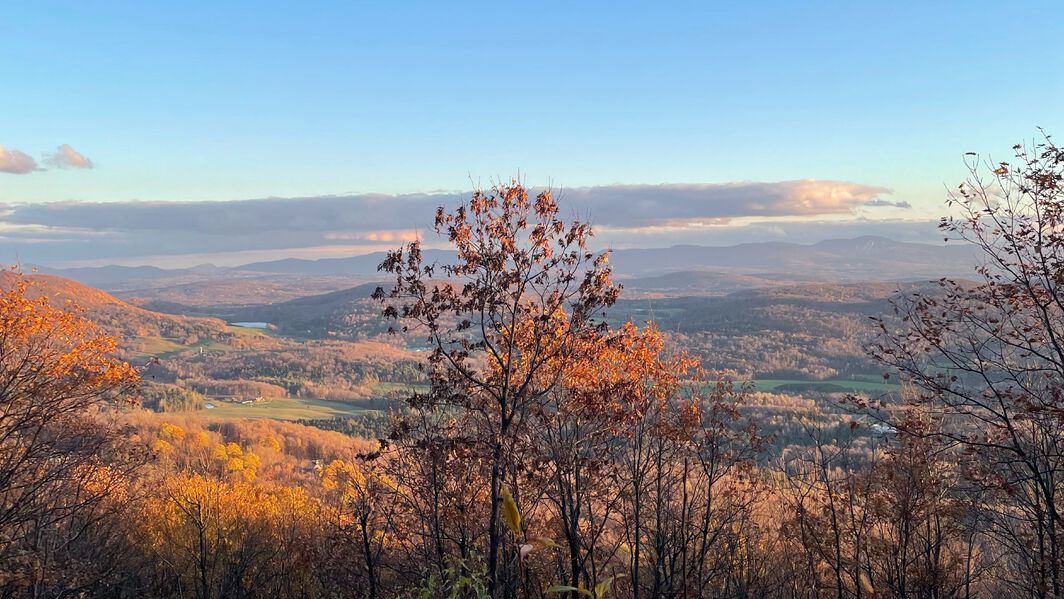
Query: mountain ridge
[847, 259]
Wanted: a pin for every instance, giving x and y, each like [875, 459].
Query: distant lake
[250, 325]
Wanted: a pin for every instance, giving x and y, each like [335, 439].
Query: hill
[114, 277]
[347, 313]
[131, 324]
[842, 260]
[861, 258]
[313, 314]
[839, 260]
[364, 264]
[702, 282]
[233, 290]
[783, 331]
[813, 331]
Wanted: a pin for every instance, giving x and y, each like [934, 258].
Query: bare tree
[988, 357]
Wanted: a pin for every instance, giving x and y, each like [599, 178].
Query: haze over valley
[789, 318]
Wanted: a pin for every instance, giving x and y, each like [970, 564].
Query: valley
[314, 348]
[504, 301]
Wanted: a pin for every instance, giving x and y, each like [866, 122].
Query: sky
[187, 132]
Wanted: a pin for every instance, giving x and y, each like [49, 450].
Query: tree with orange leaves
[63, 461]
[604, 395]
[518, 264]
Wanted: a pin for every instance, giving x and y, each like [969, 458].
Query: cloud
[611, 205]
[15, 162]
[67, 157]
[19, 163]
[879, 202]
[654, 213]
[673, 204]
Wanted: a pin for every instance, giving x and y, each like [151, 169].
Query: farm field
[827, 385]
[249, 331]
[162, 347]
[284, 409]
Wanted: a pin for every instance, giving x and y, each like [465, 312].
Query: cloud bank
[63, 231]
[676, 204]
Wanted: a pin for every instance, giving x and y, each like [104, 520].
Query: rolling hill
[702, 282]
[840, 260]
[807, 332]
[338, 312]
[861, 258]
[315, 314]
[365, 264]
[115, 317]
[235, 290]
[782, 331]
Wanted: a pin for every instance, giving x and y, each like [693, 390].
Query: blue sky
[216, 102]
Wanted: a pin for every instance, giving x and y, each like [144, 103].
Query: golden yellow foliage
[232, 459]
[511, 515]
[196, 518]
[272, 443]
[161, 447]
[64, 351]
[171, 432]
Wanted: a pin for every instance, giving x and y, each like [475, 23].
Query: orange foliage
[62, 460]
[64, 351]
[626, 373]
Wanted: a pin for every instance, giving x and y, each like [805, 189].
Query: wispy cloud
[67, 157]
[880, 203]
[15, 162]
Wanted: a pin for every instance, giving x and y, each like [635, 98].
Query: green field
[163, 347]
[157, 346]
[249, 331]
[284, 409]
[857, 386]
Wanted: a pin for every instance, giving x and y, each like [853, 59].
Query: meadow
[284, 409]
[826, 386]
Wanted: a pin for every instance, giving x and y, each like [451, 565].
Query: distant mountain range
[839, 260]
[859, 259]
